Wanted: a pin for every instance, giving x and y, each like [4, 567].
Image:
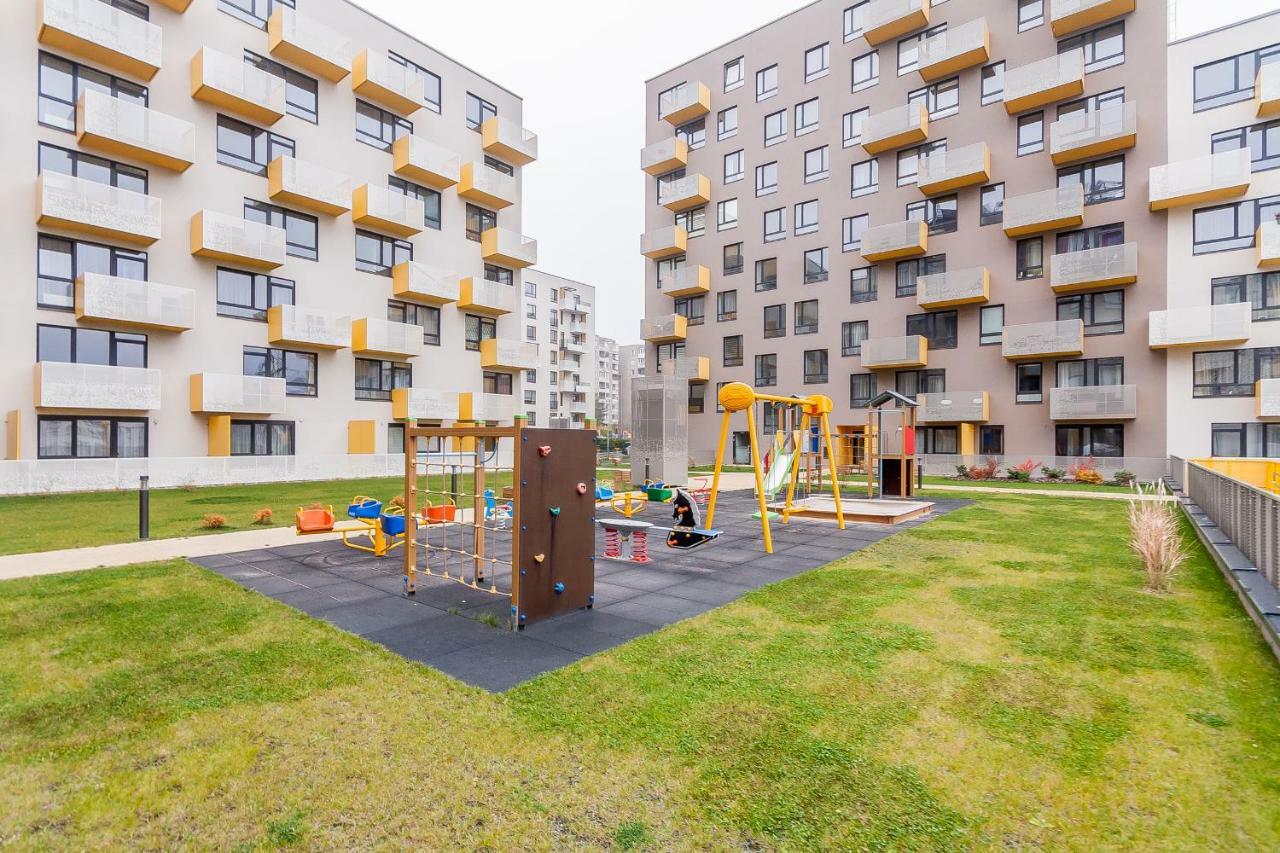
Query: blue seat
[603, 493]
[392, 525]
[362, 507]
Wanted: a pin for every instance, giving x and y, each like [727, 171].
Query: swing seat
[603, 493]
[440, 514]
[313, 520]
[362, 506]
[700, 537]
[393, 522]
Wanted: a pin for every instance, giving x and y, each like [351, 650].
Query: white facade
[607, 382]
[630, 366]
[559, 315]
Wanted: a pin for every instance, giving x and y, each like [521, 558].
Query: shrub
[1052, 473]
[397, 501]
[1023, 470]
[1089, 475]
[1125, 478]
[962, 471]
[262, 516]
[212, 521]
[1154, 536]
[985, 471]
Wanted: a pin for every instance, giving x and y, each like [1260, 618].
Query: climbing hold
[555, 510]
[582, 488]
[559, 588]
[513, 609]
[544, 450]
[524, 616]
[538, 558]
[592, 598]
[522, 573]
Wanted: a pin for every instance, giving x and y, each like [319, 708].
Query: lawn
[995, 678]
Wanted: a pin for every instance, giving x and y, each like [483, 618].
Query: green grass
[996, 678]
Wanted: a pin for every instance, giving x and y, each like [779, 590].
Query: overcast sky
[580, 66]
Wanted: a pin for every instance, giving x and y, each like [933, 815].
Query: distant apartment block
[607, 382]
[559, 321]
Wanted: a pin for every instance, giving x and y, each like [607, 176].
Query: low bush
[962, 471]
[1023, 470]
[263, 516]
[985, 471]
[1090, 475]
[1052, 473]
[1125, 478]
[213, 521]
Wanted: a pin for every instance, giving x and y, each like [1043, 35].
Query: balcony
[953, 407]
[1044, 82]
[305, 42]
[664, 156]
[954, 169]
[291, 325]
[97, 387]
[958, 48]
[508, 141]
[130, 131]
[664, 329]
[424, 404]
[904, 351]
[665, 242]
[383, 209]
[1094, 403]
[499, 354]
[418, 282]
[685, 193]
[178, 6]
[96, 210]
[106, 37]
[691, 368]
[895, 128]
[687, 103]
[687, 280]
[1266, 393]
[1266, 91]
[1106, 266]
[234, 86]
[131, 304]
[1200, 325]
[1070, 16]
[376, 78]
[481, 296]
[885, 20]
[954, 287]
[233, 394]
[1047, 210]
[1049, 339]
[895, 240]
[304, 185]
[1268, 240]
[476, 406]
[508, 248]
[485, 186]
[1213, 177]
[1088, 134]
[221, 237]
[420, 160]
[568, 344]
[372, 336]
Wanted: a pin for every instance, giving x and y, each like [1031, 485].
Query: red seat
[313, 520]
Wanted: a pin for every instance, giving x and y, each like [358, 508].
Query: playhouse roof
[892, 397]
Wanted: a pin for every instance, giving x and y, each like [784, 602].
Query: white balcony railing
[308, 327]
[687, 280]
[508, 141]
[666, 241]
[1093, 402]
[684, 193]
[506, 354]
[383, 209]
[1198, 325]
[1046, 210]
[685, 103]
[233, 394]
[1069, 16]
[664, 156]
[109, 37]
[1268, 239]
[900, 351]
[1212, 177]
[98, 387]
[137, 304]
[101, 210]
[231, 84]
[421, 282]
[896, 127]
[309, 44]
[508, 248]
[123, 128]
[1044, 339]
[494, 189]
[664, 328]
[956, 407]
[1045, 81]
[424, 162]
[424, 404]
[375, 336]
[1104, 266]
[1090, 133]
[895, 240]
[887, 19]
[301, 183]
[1266, 90]
[223, 237]
[954, 168]
[376, 77]
[955, 49]
[953, 287]
[477, 406]
[487, 297]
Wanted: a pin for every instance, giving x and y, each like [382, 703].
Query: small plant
[1085, 471]
[985, 471]
[262, 516]
[1154, 536]
[1125, 478]
[962, 471]
[632, 835]
[1052, 473]
[213, 521]
[397, 501]
[1023, 470]
[487, 618]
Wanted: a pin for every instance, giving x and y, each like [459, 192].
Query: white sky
[580, 66]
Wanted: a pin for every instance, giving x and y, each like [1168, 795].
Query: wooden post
[410, 510]
[517, 515]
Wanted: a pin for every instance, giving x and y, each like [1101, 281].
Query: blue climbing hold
[555, 510]
[559, 588]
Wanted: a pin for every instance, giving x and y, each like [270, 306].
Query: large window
[727, 123]
[990, 324]
[767, 274]
[853, 19]
[375, 380]
[1030, 258]
[90, 437]
[1226, 81]
[1103, 47]
[1241, 439]
[941, 99]
[1103, 180]
[732, 259]
[731, 353]
[430, 80]
[479, 111]
[249, 295]
[767, 370]
[430, 198]
[734, 74]
[992, 83]
[1089, 372]
[852, 229]
[301, 230]
[1028, 383]
[766, 82]
[852, 334]
[1104, 440]
[62, 82]
[817, 62]
[1030, 14]
[909, 270]
[426, 316]
[775, 224]
[89, 168]
[909, 160]
[262, 438]
[851, 126]
[807, 116]
[90, 346]
[1102, 312]
[775, 127]
[1231, 373]
[909, 48]
[991, 440]
[806, 217]
[806, 317]
[864, 177]
[815, 265]
[866, 71]
[940, 327]
[816, 164]
[479, 220]
[862, 389]
[726, 214]
[734, 166]
[297, 369]
[692, 308]
[60, 261]
[1090, 238]
[775, 321]
[910, 383]
[862, 284]
[1262, 140]
[991, 205]
[301, 93]
[1261, 290]
[1231, 226]
[766, 178]
[815, 366]
[1030, 133]
[477, 328]
[940, 213]
[254, 12]
[938, 439]
[693, 133]
[693, 221]
[726, 306]
[250, 148]
[378, 127]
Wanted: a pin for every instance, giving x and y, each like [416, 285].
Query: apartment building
[945, 199]
[559, 320]
[607, 382]
[630, 367]
[267, 233]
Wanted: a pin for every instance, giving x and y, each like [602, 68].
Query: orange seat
[314, 520]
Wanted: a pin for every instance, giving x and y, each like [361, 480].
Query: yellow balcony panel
[954, 287]
[233, 394]
[1093, 403]
[222, 237]
[234, 86]
[106, 37]
[481, 296]
[895, 240]
[954, 169]
[508, 141]
[895, 128]
[664, 329]
[293, 325]
[96, 387]
[685, 103]
[1227, 324]
[1267, 238]
[419, 282]
[1048, 339]
[490, 408]
[380, 208]
[380, 338]
[485, 186]
[685, 193]
[308, 186]
[1084, 135]
[502, 354]
[312, 46]
[178, 6]
[508, 248]
[1071, 16]
[687, 280]
[1105, 266]
[694, 369]
[1266, 393]
[96, 210]
[885, 20]
[954, 407]
[376, 78]
[1044, 82]
[901, 351]
[958, 48]
[418, 159]
[665, 242]
[424, 404]
[1266, 91]
[133, 132]
[362, 437]
[1212, 177]
[130, 304]
[1046, 210]
[665, 155]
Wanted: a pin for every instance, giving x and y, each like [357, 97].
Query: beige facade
[630, 365]
[559, 319]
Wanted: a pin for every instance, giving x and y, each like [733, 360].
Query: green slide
[776, 479]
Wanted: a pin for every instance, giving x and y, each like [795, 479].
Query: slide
[779, 472]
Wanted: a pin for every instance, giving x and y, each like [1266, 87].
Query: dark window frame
[113, 438]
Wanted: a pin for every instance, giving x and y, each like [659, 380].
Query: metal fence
[1248, 516]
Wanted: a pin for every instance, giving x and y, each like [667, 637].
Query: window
[992, 83]
[60, 261]
[96, 169]
[727, 214]
[1030, 14]
[806, 317]
[938, 439]
[806, 217]
[1262, 290]
[479, 111]
[297, 369]
[851, 232]
[254, 12]
[430, 199]
[697, 398]
[767, 370]
[1090, 238]
[775, 224]
[1103, 180]
[815, 366]
[426, 316]
[666, 274]
[499, 166]
[817, 62]
[940, 327]
[766, 179]
[530, 397]
[1231, 226]
[909, 49]
[90, 346]
[732, 351]
[1262, 140]
[806, 117]
[249, 148]
[694, 134]
[430, 80]
[866, 71]
[766, 82]
[1104, 440]
[864, 177]
[1111, 98]
[911, 383]
[941, 99]
[90, 438]
[62, 82]
[1030, 258]
[502, 275]
[727, 123]
[262, 438]
[479, 220]
[1103, 47]
[376, 379]
[734, 166]
[815, 265]
[1226, 81]
[853, 19]
[862, 285]
[991, 440]
[693, 221]
[939, 213]
[477, 329]
[816, 165]
[378, 127]
[991, 205]
[249, 295]
[301, 93]
[1028, 383]
[1252, 439]
[862, 389]
[726, 305]
[692, 308]
[301, 231]
[852, 126]
[775, 321]
[1089, 372]
[1030, 133]
[531, 376]
[852, 334]
[775, 127]
[909, 160]
[767, 274]
[734, 74]
[1102, 312]
[667, 352]
[990, 324]
[732, 259]
[1231, 373]
[909, 270]
[378, 254]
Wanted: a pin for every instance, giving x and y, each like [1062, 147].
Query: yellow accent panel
[1090, 15]
[196, 389]
[278, 193]
[361, 437]
[492, 142]
[700, 196]
[219, 433]
[913, 20]
[977, 56]
[13, 434]
[178, 6]
[119, 149]
[968, 443]
[466, 405]
[957, 182]
[1094, 150]
[402, 164]
[1261, 473]
[699, 106]
[1069, 221]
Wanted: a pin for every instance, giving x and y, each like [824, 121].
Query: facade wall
[630, 366]
[607, 382]
[564, 327]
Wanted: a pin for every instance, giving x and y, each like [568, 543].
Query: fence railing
[1247, 515]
